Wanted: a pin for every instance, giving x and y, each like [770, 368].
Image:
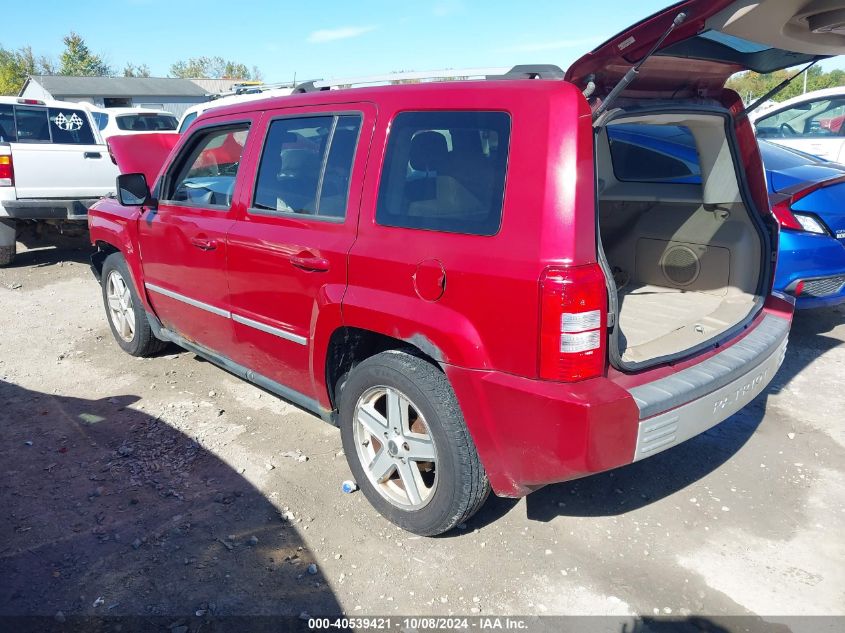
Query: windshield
[147, 122]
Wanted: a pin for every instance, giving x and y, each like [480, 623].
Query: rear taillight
[7, 171]
[796, 220]
[784, 216]
[573, 322]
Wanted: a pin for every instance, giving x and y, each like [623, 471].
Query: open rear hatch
[687, 238]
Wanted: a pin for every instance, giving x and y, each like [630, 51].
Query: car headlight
[809, 223]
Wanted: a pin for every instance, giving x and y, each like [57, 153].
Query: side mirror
[132, 190]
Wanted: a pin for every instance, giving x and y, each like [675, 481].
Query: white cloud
[341, 33]
[445, 8]
[554, 45]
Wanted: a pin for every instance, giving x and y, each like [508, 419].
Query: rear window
[445, 171]
[654, 153]
[146, 122]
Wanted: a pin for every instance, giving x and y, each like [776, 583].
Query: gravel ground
[167, 486]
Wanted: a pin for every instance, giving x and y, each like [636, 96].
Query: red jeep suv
[468, 277]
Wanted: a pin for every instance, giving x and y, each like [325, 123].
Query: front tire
[407, 445]
[124, 310]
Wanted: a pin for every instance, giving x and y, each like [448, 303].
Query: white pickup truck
[53, 166]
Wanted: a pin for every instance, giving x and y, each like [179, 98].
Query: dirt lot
[167, 486]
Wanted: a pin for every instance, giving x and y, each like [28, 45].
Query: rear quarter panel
[487, 317]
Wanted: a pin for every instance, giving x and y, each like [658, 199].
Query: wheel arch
[348, 346]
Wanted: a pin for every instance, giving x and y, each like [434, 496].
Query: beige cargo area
[686, 258]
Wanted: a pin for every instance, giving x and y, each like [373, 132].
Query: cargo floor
[656, 321]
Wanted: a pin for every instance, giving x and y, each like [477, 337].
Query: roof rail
[251, 88]
[532, 71]
[449, 74]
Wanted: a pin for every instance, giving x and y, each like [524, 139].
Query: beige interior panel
[687, 256]
[784, 24]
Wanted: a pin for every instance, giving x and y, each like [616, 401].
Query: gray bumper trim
[48, 209]
[678, 425]
[715, 372]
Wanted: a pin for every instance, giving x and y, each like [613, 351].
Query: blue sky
[329, 38]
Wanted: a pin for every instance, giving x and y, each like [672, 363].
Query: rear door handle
[203, 243]
[311, 263]
[93, 155]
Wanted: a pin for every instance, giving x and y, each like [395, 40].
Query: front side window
[101, 119]
[146, 122]
[206, 175]
[306, 165]
[654, 153]
[814, 119]
[445, 171]
[70, 127]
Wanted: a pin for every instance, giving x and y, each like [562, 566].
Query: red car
[467, 277]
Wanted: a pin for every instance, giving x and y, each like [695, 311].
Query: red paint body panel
[266, 287]
[483, 329]
[142, 153]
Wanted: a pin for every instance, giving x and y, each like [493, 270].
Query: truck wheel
[7, 254]
[8, 231]
[408, 446]
[124, 309]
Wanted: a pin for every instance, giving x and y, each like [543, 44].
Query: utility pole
[805, 82]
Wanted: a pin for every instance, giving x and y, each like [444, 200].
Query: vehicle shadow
[51, 249]
[701, 624]
[109, 511]
[639, 484]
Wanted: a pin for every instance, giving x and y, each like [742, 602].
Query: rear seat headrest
[429, 151]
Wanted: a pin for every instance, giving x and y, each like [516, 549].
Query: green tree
[16, 66]
[78, 60]
[751, 86]
[213, 68]
[131, 70]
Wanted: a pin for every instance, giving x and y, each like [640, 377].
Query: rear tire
[407, 445]
[7, 254]
[124, 310]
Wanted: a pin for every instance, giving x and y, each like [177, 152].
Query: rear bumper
[47, 209]
[530, 433]
[819, 261]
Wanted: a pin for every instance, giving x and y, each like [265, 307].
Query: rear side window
[205, 175]
[7, 124]
[654, 153]
[306, 165]
[146, 122]
[32, 125]
[445, 171]
[70, 126]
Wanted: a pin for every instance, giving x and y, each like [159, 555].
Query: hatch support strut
[635, 69]
[771, 93]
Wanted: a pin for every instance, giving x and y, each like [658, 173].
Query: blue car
[807, 195]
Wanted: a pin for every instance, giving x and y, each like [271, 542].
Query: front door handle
[203, 243]
[311, 263]
[93, 155]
